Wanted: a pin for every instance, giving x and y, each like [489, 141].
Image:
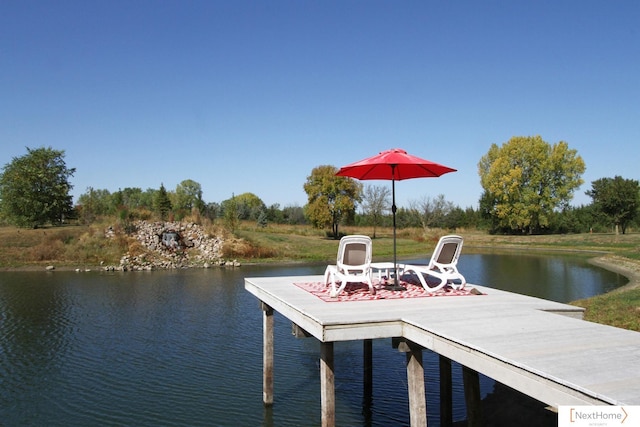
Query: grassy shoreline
[84, 247]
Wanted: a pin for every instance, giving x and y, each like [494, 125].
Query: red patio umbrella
[395, 165]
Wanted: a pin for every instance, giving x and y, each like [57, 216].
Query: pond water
[183, 348]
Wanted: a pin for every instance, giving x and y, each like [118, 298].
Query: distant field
[71, 245]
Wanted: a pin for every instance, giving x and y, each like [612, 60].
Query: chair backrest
[355, 250]
[447, 252]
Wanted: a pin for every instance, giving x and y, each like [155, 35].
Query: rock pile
[193, 248]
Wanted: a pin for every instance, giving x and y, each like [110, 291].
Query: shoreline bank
[626, 266]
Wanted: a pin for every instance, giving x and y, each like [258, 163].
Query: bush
[50, 250]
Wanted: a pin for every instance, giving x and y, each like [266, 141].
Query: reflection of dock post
[471, 380]
[446, 392]
[267, 354]
[368, 369]
[367, 364]
[327, 385]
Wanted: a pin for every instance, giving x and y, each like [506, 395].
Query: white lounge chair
[442, 265]
[353, 264]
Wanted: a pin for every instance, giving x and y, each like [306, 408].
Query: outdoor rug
[360, 291]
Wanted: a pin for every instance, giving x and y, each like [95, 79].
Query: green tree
[93, 203]
[230, 213]
[249, 206]
[188, 196]
[275, 214]
[618, 199]
[331, 198]
[262, 220]
[133, 198]
[526, 179]
[162, 203]
[375, 202]
[293, 215]
[34, 188]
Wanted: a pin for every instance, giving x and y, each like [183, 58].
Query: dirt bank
[629, 268]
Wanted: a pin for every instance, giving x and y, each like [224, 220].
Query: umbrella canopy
[395, 165]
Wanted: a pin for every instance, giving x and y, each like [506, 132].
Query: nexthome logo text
[593, 414]
[598, 416]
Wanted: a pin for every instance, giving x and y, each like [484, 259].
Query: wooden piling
[267, 354]
[327, 385]
[446, 392]
[471, 381]
[415, 381]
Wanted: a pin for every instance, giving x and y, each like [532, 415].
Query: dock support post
[446, 392]
[327, 385]
[267, 354]
[415, 381]
[471, 381]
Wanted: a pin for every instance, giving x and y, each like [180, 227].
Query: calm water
[183, 348]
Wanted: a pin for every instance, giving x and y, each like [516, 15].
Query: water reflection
[184, 347]
[558, 278]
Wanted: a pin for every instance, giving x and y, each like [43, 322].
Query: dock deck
[538, 347]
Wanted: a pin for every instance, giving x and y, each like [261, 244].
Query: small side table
[387, 267]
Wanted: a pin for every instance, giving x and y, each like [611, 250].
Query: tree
[618, 199]
[293, 215]
[134, 198]
[331, 198]
[249, 206]
[230, 212]
[432, 213]
[526, 179]
[92, 204]
[188, 196]
[275, 214]
[375, 201]
[162, 203]
[34, 188]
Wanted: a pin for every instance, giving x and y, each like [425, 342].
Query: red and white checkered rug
[360, 292]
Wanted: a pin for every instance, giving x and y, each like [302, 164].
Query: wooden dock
[541, 348]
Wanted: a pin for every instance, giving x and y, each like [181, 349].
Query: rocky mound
[170, 245]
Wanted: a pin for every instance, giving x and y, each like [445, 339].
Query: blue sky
[250, 96]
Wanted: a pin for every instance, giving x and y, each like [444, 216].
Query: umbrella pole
[396, 286]
[393, 210]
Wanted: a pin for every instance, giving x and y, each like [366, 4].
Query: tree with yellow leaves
[525, 180]
[331, 198]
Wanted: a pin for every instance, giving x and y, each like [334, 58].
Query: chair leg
[425, 285]
[372, 290]
[334, 293]
[461, 285]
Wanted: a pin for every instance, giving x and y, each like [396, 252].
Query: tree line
[527, 188]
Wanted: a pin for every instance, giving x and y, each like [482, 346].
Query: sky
[250, 96]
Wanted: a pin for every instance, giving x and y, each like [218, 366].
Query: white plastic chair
[442, 266]
[353, 264]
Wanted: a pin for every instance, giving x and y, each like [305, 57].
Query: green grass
[287, 247]
[620, 309]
